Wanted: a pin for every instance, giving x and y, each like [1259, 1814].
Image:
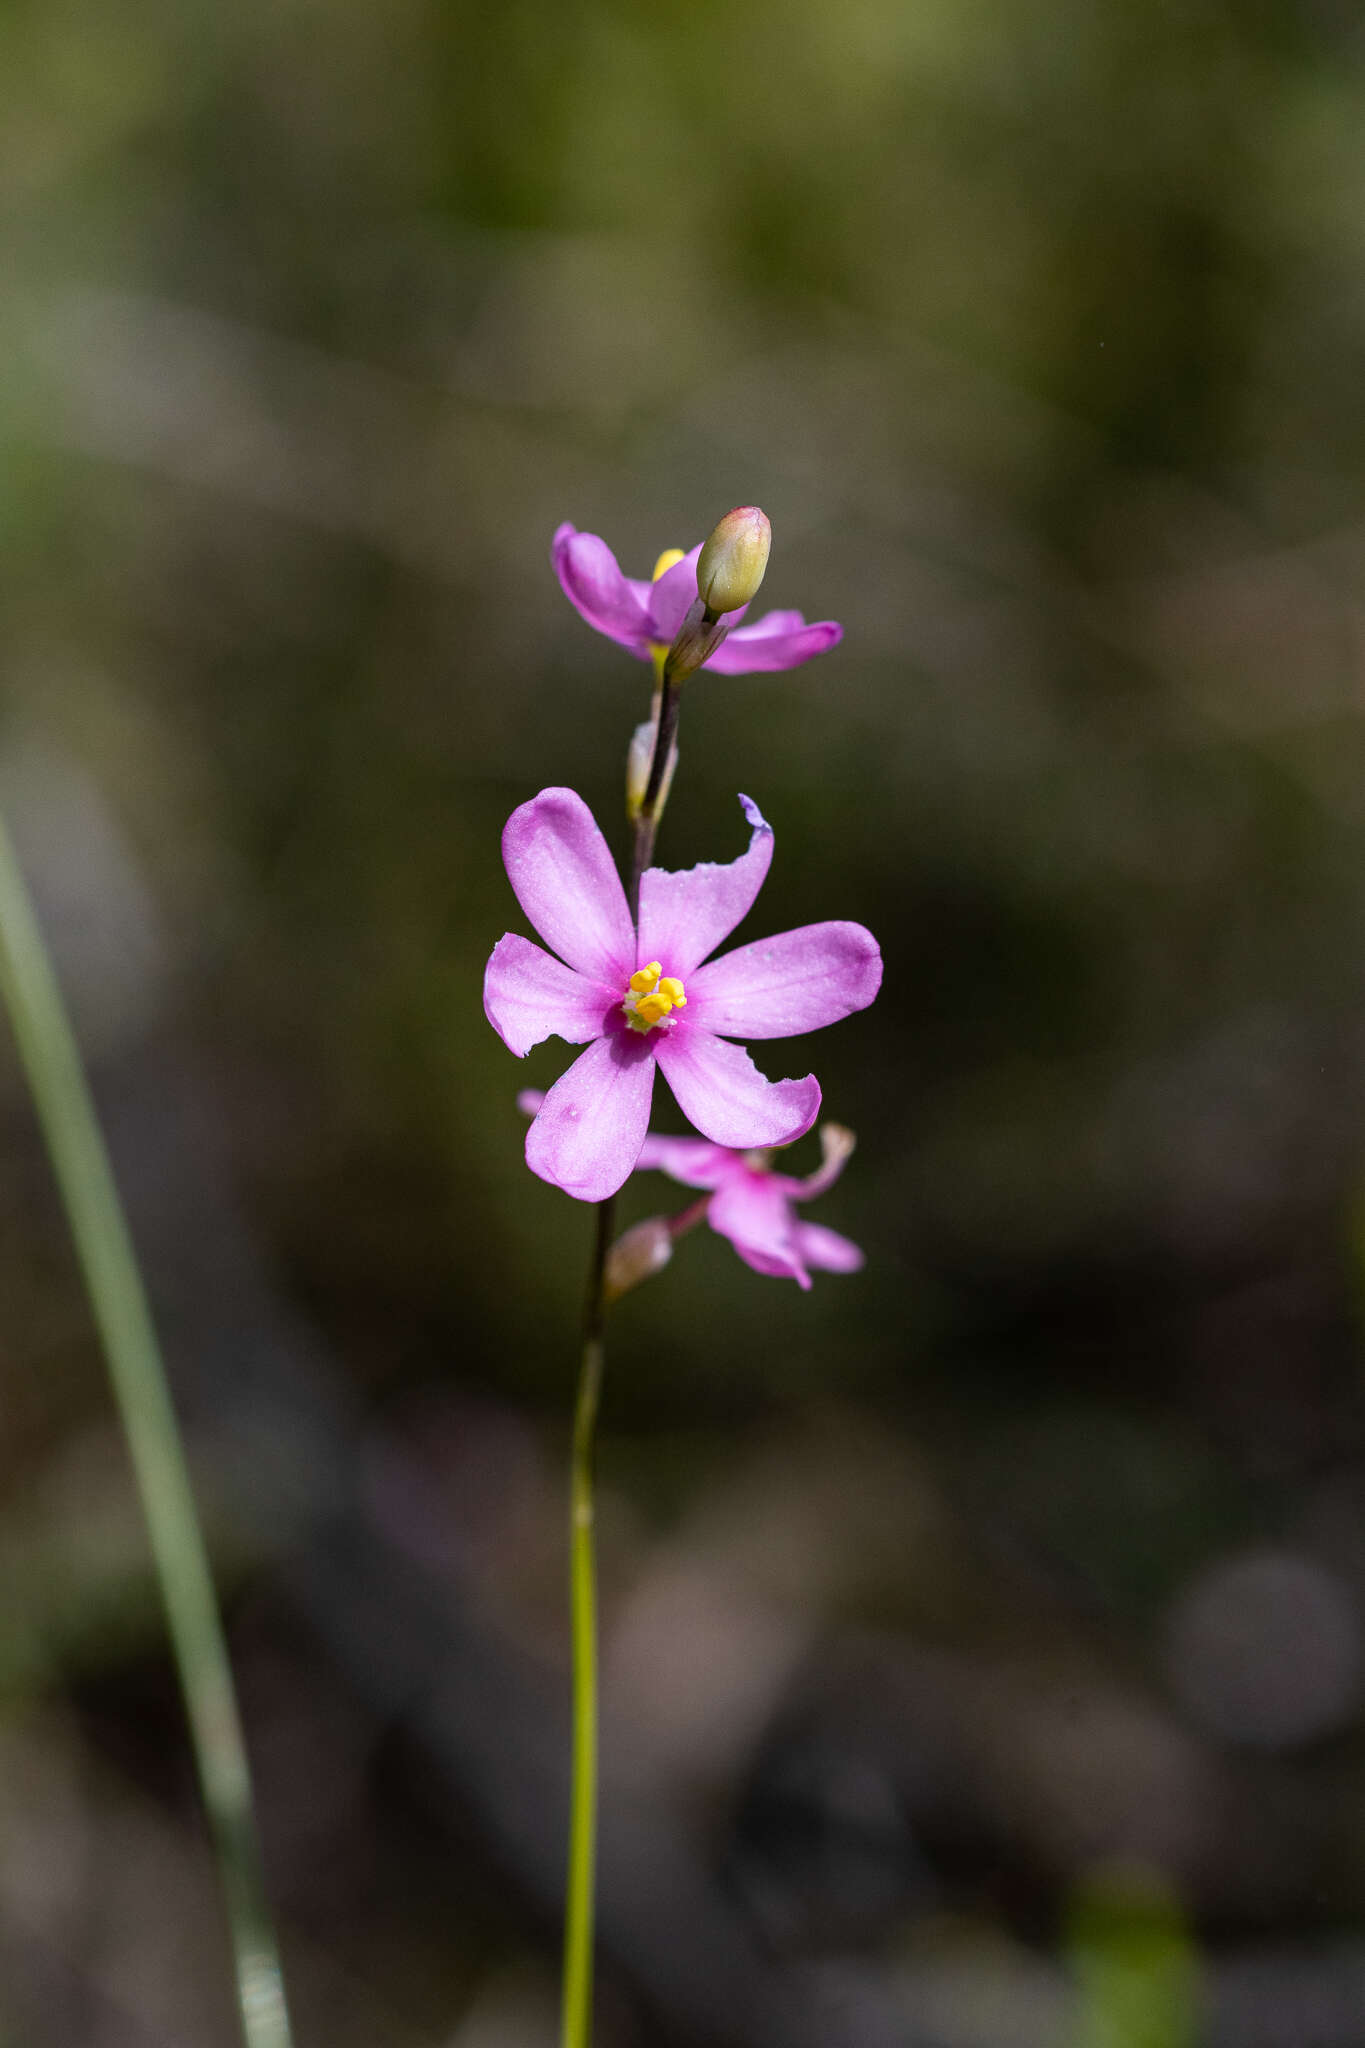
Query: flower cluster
[645, 992]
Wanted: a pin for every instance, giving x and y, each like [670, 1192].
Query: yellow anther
[649, 1000]
[669, 559]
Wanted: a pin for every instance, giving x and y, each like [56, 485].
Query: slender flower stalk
[580, 1894]
[656, 790]
[66, 1112]
[580, 1888]
[646, 811]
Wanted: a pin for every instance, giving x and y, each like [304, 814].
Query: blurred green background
[983, 1632]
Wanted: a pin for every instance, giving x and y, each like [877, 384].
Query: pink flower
[642, 616]
[753, 1204]
[635, 1001]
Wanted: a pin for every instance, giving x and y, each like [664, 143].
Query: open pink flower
[637, 1000]
[643, 616]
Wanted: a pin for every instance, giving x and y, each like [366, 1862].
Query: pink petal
[770, 623]
[685, 914]
[566, 881]
[826, 1250]
[594, 585]
[795, 982]
[696, 1162]
[527, 996]
[529, 1100]
[592, 1123]
[670, 597]
[752, 1211]
[767, 646]
[639, 590]
[721, 1091]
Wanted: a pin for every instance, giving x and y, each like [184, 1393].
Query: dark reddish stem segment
[647, 823]
[688, 1218]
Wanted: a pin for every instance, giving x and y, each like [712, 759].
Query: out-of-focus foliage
[1039, 1547]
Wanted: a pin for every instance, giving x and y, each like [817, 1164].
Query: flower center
[651, 998]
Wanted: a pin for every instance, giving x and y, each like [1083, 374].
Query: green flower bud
[731, 564]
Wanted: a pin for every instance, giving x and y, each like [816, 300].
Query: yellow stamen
[669, 559]
[651, 1000]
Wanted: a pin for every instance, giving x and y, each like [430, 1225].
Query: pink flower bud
[732, 561]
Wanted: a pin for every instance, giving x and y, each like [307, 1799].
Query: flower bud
[639, 761]
[732, 561]
[638, 1255]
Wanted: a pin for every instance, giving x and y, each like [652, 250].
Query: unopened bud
[637, 1255]
[731, 564]
[639, 761]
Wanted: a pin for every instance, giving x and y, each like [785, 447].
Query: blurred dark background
[983, 1632]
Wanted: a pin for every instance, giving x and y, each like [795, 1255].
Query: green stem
[66, 1113]
[580, 1889]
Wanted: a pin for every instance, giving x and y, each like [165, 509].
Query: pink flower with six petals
[657, 997]
[642, 616]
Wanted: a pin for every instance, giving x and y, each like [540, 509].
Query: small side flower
[754, 1205]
